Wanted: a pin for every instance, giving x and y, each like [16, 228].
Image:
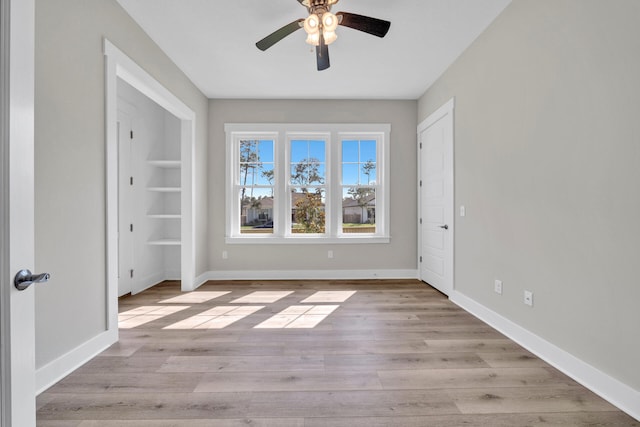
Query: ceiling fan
[321, 25]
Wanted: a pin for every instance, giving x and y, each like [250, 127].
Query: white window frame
[333, 134]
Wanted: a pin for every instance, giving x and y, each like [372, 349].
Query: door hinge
[421, 145]
[131, 273]
[420, 221]
[130, 134]
[420, 261]
[420, 183]
[131, 227]
[130, 180]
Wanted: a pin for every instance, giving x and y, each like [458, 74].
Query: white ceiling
[213, 42]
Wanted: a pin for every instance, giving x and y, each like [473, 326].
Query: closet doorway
[163, 202]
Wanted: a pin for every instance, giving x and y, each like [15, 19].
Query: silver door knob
[446, 227]
[24, 279]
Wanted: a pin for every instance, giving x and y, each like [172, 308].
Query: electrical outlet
[528, 298]
[497, 287]
[330, 254]
[225, 255]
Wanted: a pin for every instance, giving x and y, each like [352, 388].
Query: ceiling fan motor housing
[319, 7]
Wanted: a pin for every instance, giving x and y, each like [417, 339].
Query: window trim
[282, 134]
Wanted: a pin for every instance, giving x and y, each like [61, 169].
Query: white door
[17, 338]
[435, 139]
[126, 183]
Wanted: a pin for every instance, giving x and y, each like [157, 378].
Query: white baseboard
[304, 275]
[54, 371]
[607, 387]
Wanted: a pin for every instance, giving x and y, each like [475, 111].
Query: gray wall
[547, 157]
[399, 254]
[70, 162]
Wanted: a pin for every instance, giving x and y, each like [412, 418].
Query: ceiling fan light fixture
[312, 24]
[313, 39]
[329, 37]
[329, 22]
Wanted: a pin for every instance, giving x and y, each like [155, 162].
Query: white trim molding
[52, 372]
[306, 275]
[119, 65]
[607, 387]
[333, 135]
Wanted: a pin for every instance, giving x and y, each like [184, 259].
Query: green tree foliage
[310, 212]
[309, 209]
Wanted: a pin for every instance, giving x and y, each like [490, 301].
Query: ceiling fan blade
[322, 54]
[374, 26]
[278, 35]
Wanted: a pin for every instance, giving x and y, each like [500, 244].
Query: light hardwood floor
[394, 353]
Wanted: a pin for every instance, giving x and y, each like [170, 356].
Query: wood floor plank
[470, 378]
[237, 422]
[513, 359]
[242, 363]
[288, 381]
[403, 361]
[144, 382]
[352, 404]
[572, 419]
[394, 353]
[530, 399]
[495, 345]
[146, 406]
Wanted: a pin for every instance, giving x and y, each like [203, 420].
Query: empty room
[320, 213]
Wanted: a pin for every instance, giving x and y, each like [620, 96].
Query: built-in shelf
[164, 242]
[167, 164]
[164, 216]
[165, 189]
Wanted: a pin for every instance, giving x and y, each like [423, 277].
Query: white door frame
[119, 65]
[17, 224]
[440, 113]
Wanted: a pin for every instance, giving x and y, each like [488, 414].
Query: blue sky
[355, 153]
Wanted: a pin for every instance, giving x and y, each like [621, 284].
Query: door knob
[446, 227]
[24, 279]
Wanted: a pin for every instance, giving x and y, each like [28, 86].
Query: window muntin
[318, 167]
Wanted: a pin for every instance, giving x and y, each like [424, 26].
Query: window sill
[277, 240]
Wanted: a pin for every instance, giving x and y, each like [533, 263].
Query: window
[254, 188]
[303, 183]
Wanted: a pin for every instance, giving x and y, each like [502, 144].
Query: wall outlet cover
[497, 287]
[528, 298]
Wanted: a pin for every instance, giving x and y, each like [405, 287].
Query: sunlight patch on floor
[194, 297]
[145, 314]
[329, 296]
[262, 297]
[298, 317]
[216, 317]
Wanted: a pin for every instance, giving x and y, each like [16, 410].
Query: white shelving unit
[165, 202]
[168, 164]
[165, 242]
